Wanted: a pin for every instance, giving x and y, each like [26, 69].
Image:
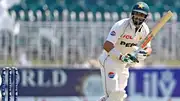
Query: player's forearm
[109, 48]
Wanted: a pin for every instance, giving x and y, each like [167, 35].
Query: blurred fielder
[121, 41]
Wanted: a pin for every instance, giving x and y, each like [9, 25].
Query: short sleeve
[115, 32]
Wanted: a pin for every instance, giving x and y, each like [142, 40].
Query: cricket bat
[152, 34]
[155, 29]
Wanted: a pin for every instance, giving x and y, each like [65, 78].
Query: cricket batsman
[117, 55]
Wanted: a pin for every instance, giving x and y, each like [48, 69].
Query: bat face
[156, 29]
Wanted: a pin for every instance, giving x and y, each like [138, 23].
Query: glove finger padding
[133, 58]
[142, 54]
[126, 59]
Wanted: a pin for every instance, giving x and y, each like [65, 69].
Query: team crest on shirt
[113, 33]
[140, 38]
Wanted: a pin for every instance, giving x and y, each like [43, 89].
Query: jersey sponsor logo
[111, 74]
[127, 36]
[113, 33]
[127, 44]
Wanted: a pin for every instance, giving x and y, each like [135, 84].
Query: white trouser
[114, 85]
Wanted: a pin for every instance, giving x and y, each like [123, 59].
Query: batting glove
[142, 54]
[128, 59]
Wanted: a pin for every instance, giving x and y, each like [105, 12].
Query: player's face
[138, 18]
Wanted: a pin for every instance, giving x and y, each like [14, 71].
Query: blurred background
[72, 32]
[49, 39]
